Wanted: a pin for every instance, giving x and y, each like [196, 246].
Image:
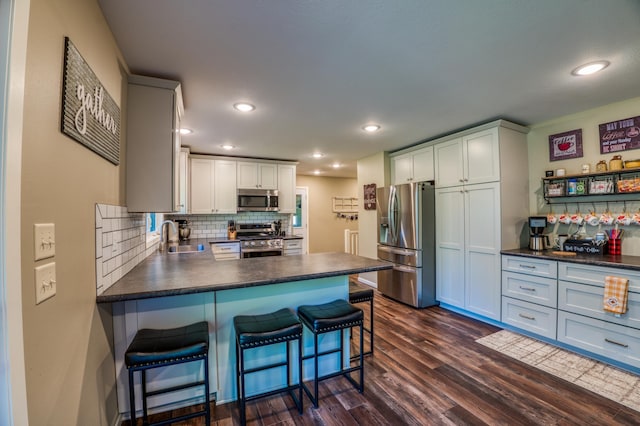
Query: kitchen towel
[615, 294]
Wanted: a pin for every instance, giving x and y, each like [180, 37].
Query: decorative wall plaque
[565, 145]
[370, 196]
[89, 113]
[620, 135]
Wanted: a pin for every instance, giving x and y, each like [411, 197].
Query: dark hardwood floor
[427, 369]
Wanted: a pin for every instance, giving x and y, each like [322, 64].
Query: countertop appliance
[406, 237]
[257, 200]
[538, 241]
[258, 240]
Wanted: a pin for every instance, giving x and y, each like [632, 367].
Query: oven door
[246, 254]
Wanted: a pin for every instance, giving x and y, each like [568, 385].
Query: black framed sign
[370, 196]
[619, 135]
[565, 145]
[89, 114]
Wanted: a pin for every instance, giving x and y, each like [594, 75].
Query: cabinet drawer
[529, 316]
[588, 300]
[530, 288]
[526, 265]
[292, 244]
[594, 275]
[611, 340]
[226, 251]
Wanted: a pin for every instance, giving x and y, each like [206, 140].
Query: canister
[615, 163]
[601, 166]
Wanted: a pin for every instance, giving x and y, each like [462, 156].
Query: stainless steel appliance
[257, 200]
[406, 237]
[538, 241]
[258, 240]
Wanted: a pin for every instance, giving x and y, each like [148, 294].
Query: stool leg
[315, 369]
[300, 407]
[361, 388]
[145, 418]
[241, 391]
[371, 324]
[132, 399]
[207, 406]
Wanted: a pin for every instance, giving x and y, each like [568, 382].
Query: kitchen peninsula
[169, 290]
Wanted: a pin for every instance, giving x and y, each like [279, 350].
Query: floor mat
[600, 378]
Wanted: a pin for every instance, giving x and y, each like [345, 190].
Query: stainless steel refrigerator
[406, 237]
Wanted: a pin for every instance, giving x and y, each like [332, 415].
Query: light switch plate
[45, 278]
[44, 240]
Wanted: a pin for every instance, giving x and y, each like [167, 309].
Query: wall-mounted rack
[345, 204]
[619, 185]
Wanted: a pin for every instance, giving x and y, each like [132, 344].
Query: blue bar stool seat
[151, 348]
[325, 318]
[253, 331]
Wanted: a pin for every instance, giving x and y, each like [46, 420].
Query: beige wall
[68, 355]
[326, 231]
[588, 121]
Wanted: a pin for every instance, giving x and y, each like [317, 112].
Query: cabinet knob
[460, 180]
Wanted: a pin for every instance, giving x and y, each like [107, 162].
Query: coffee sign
[620, 135]
[89, 114]
[565, 145]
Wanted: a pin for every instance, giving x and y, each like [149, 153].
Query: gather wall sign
[89, 114]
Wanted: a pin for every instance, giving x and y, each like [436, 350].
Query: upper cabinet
[470, 159]
[183, 166]
[213, 186]
[415, 166]
[252, 175]
[287, 188]
[154, 111]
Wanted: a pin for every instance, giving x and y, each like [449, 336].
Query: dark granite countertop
[626, 262]
[174, 274]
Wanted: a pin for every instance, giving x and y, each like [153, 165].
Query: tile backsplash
[215, 226]
[120, 243]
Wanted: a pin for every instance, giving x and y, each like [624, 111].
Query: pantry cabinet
[183, 176]
[213, 186]
[252, 175]
[287, 188]
[154, 111]
[414, 166]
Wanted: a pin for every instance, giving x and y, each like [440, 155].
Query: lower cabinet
[563, 301]
[226, 251]
[292, 247]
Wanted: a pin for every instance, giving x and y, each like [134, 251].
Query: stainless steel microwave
[257, 200]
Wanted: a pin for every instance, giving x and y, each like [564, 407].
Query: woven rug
[600, 378]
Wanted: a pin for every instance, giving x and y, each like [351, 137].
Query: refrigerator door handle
[396, 250]
[393, 214]
[402, 268]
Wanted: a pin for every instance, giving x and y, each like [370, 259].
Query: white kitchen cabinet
[469, 159]
[468, 248]
[252, 175]
[414, 166]
[154, 111]
[292, 247]
[213, 186]
[184, 174]
[226, 251]
[287, 188]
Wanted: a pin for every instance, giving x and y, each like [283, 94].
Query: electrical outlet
[44, 240]
[45, 282]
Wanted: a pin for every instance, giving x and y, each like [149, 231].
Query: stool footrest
[175, 388]
[273, 392]
[181, 418]
[265, 367]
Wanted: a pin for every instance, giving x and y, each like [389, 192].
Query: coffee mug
[624, 219]
[565, 218]
[577, 219]
[552, 219]
[607, 219]
[636, 218]
[558, 242]
[592, 219]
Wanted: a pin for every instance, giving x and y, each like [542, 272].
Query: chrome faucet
[164, 241]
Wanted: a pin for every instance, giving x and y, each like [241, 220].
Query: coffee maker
[538, 241]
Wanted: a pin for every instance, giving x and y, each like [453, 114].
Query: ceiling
[317, 71]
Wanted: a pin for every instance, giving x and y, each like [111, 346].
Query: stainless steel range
[258, 240]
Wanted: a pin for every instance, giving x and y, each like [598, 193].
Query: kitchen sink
[186, 248]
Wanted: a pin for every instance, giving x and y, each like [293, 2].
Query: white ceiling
[318, 70]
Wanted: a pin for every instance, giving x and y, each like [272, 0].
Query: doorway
[301, 217]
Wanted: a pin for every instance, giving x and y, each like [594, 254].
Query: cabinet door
[401, 169]
[287, 188]
[224, 187]
[481, 157]
[448, 163]
[450, 246]
[267, 176]
[247, 177]
[201, 185]
[183, 207]
[422, 163]
[482, 249]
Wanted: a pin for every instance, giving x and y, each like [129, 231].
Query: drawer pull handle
[624, 345]
[529, 317]
[527, 288]
[528, 266]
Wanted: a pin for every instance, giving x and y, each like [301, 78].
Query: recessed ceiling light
[244, 107]
[316, 172]
[227, 146]
[371, 128]
[590, 68]
[317, 155]
[185, 131]
[335, 165]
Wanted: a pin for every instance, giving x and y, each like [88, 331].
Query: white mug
[558, 242]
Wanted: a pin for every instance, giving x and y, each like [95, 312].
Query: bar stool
[152, 348]
[325, 318]
[253, 331]
[359, 293]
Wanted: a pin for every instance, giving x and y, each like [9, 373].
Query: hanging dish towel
[615, 294]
